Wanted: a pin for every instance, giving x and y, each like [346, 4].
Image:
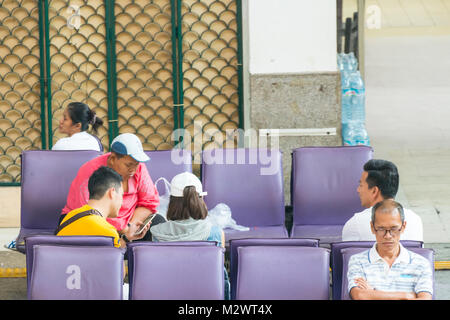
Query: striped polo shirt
[410, 272]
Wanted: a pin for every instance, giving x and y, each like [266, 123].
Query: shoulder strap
[75, 218]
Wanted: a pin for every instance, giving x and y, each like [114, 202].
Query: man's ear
[111, 159]
[110, 192]
[375, 191]
[403, 227]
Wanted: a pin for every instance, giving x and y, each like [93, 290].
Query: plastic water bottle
[358, 99]
[353, 62]
[347, 98]
[344, 66]
[356, 134]
[353, 101]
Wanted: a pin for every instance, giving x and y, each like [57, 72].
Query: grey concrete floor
[407, 118]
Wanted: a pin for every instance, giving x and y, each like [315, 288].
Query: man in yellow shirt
[105, 201]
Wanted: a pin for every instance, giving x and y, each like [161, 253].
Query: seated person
[75, 121]
[379, 181]
[105, 200]
[140, 197]
[388, 271]
[186, 217]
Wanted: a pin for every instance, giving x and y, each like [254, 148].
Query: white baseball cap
[183, 180]
[130, 145]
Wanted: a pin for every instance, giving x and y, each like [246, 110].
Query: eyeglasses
[383, 232]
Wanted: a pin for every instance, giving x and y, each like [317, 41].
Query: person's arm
[147, 202]
[424, 284]
[424, 296]
[147, 193]
[363, 291]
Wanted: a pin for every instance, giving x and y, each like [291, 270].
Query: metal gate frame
[45, 80]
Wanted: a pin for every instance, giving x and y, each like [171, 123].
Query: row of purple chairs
[46, 179]
[250, 181]
[259, 268]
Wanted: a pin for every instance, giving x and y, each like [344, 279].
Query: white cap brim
[141, 157]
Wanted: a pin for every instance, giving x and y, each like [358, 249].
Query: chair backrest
[249, 181]
[100, 144]
[336, 259]
[77, 273]
[283, 273]
[131, 245]
[237, 243]
[32, 241]
[324, 182]
[348, 252]
[171, 272]
[167, 164]
[46, 179]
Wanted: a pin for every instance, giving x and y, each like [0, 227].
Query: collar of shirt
[403, 257]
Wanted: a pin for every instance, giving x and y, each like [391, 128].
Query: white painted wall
[291, 36]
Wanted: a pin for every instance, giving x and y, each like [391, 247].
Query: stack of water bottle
[353, 101]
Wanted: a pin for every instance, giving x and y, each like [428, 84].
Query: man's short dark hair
[384, 175]
[101, 180]
[388, 206]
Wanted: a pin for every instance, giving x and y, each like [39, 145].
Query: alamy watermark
[373, 17]
[260, 150]
[74, 19]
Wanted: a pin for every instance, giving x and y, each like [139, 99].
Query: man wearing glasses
[388, 271]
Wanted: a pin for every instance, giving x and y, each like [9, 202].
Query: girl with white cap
[186, 216]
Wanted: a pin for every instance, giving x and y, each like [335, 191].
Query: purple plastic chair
[171, 272]
[134, 244]
[348, 252]
[32, 241]
[237, 243]
[167, 164]
[250, 182]
[46, 179]
[324, 182]
[336, 259]
[77, 273]
[283, 273]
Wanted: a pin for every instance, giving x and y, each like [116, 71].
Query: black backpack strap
[75, 218]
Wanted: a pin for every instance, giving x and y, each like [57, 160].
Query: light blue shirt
[410, 272]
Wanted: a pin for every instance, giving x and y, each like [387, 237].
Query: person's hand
[363, 284]
[133, 228]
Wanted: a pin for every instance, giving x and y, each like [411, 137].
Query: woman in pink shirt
[140, 197]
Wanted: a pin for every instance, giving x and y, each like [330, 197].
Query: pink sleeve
[78, 193]
[148, 196]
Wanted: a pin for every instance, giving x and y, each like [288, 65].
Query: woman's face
[126, 166]
[67, 126]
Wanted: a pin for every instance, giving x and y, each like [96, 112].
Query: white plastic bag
[220, 216]
[163, 198]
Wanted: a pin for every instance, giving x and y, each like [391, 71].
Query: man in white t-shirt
[379, 181]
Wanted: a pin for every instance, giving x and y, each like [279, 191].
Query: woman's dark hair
[79, 112]
[188, 206]
[384, 175]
